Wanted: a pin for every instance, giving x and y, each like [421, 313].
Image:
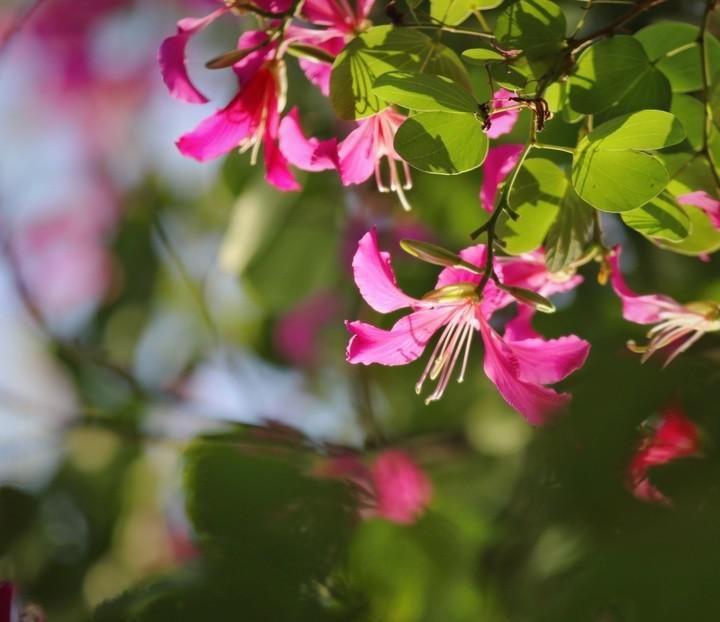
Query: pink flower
[339, 23]
[705, 202]
[499, 163]
[675, 436]
[402, 490]
[251, 118]
[520, 364]
[298, 332]
[502, 122]
[361, 153]
[393, 487]
[677, 326]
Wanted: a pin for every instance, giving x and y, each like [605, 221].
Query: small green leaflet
[454, 12]
[443, 143]
[568, 237]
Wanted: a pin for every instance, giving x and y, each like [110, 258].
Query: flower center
[455, 338]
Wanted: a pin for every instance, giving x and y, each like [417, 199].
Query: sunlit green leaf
[569, 235]
[424, 92]
[535, 26]
[660, 218]
[441, 142]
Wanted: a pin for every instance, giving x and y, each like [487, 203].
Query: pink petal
[246, 68]
[172, 58]
[318, 73]
[503, 122]
[402, 489]
[639, 309]
[277, 172]
[374, 276]
[329, 13]
[520, 327]
[705, 202]
[356, 154]
[548, 361]
[308, 154]
[474, 255]
[273, 6]
[533, 401]
[498, 164]
[530, 272]
[402, 344]
[227, 128]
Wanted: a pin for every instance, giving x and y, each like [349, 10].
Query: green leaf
[535, 196]
[569, 235]
[535, 26]
[703, 237]
[691, 113]
[424, 92]
[617, 181]
[650, 92]
[482, 56]
[442, 143]
[646, 130]
[673, 47]
[454, 12]
[606, 72]
[380, 50]
[660, 218]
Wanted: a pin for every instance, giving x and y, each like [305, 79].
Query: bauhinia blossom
[502, 121]
[367, 150]
[676, 326]
[252, 117]
[334, 23]
[675, 436]
[520, 363]
[393, 487]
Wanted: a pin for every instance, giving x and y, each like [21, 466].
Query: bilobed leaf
[424, 92]
[482, 56]
[454, 12]
[661, 218]
[607, 171]
[535, 196]
[617, 181]
[605, 72]
[570, 234]
[535, 26]
[703, 237]
[646, 130]
[380, 50]
[691, 113]
[673, 47]
[443, 143]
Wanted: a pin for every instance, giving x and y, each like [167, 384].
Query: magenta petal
[404, 343]
[273, 6]
[356, 154]
[498, 164]
[636, 308]
[474, 255]
[318, 73]
[277, 172]
[328, 13]
[533, 401]
[172, 58]
[402, 490]
[548, 361]
[308, 154]
[503, 122]
[375, 278]
[246, 68]
[705, 202]
[520, 327]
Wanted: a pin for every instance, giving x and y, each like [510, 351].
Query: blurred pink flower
[298, 332]
[675, 436]
[498, 164]
[676, 326]
[705, 202]
[393, 487]
[520, 368]
[502, 123]
[64, 263]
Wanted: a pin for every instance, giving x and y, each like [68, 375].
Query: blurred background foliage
[172, 378]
